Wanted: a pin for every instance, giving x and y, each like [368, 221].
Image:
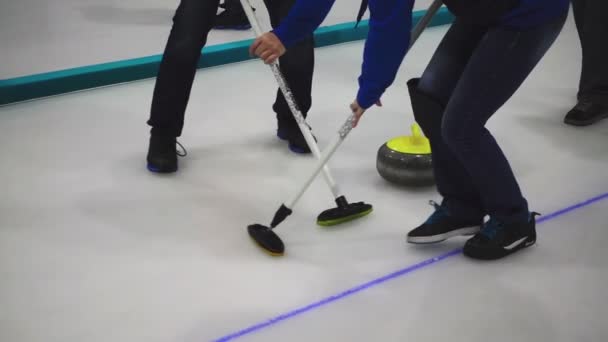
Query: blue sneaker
[441, 226]
[497, 239]
[162, 154]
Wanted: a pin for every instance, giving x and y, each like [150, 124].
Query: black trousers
[591, 18]
[191, 25]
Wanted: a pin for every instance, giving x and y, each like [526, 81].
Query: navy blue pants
[590, 17]
[474, 71]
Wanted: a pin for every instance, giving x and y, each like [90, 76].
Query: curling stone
[407, 160]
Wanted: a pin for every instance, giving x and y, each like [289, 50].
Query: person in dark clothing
[191, 24]
[485, 56]
[591, 18]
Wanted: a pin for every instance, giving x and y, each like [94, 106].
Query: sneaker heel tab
[533, 216]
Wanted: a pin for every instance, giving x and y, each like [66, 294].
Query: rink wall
[93, 76]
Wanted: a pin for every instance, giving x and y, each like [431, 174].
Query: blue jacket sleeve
[303, 19]
[385, 48]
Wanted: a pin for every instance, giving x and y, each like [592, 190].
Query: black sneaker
[586, 113]
[497, 240]
[162, 154]
[292, 134]
[441, 226]
[232, 18]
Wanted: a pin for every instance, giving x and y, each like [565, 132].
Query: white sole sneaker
[467, 231]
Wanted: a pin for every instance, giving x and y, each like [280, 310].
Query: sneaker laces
[491, 228]
[182, 154]
[439, 214]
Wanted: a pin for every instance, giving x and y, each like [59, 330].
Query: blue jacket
[389, 34]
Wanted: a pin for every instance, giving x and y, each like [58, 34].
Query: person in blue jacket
[487, 53]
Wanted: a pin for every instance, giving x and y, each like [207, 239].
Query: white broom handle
[290, 99]
[252, 18]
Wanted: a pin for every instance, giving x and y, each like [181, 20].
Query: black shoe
[292, 134]
[497, 240]
[586, 113]
[232, 18]
[162, 154]
[441, 226]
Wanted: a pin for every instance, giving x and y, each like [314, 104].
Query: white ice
[95, 248]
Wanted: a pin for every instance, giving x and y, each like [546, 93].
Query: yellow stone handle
[416, 130]
[417, 138]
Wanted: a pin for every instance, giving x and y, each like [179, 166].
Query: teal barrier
[93, 76]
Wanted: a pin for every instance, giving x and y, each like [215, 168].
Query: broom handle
[425, 21]
[289, 98]
[248, 8]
